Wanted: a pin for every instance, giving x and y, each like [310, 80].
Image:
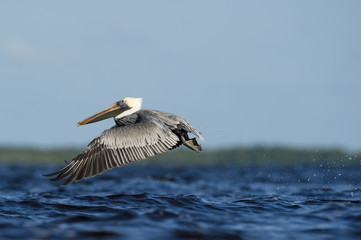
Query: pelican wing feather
[116, 147]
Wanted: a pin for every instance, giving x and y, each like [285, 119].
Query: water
[154, 202]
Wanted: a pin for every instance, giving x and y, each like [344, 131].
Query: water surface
[155, 202]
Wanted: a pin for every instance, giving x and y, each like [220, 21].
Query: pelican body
[137, 134]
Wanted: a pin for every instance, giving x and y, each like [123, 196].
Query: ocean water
[155, 202]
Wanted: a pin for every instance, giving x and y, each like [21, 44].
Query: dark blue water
[153, 202]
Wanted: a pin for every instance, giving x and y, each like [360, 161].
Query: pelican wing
[118, 146]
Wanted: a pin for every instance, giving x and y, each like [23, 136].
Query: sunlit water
[153, 202]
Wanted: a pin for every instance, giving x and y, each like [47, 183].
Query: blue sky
[242, 72]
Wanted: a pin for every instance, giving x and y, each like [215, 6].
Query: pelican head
[123, 107]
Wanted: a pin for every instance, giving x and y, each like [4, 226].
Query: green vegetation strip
[237, 155]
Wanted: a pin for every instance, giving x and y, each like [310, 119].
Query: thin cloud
[24, 51]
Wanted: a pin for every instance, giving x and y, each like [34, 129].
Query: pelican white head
[133, 105]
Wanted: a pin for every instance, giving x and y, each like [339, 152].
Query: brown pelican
[138, 134]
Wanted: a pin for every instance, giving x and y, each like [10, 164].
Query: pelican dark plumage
[137, 134]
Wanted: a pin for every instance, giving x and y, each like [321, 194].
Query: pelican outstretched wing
[116, 147]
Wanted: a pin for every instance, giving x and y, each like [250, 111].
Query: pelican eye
[121, 103]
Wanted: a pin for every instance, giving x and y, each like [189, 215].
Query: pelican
[137, 134]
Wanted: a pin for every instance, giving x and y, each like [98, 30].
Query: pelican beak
[111, 111]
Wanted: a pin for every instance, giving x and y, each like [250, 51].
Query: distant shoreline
[235, 155]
